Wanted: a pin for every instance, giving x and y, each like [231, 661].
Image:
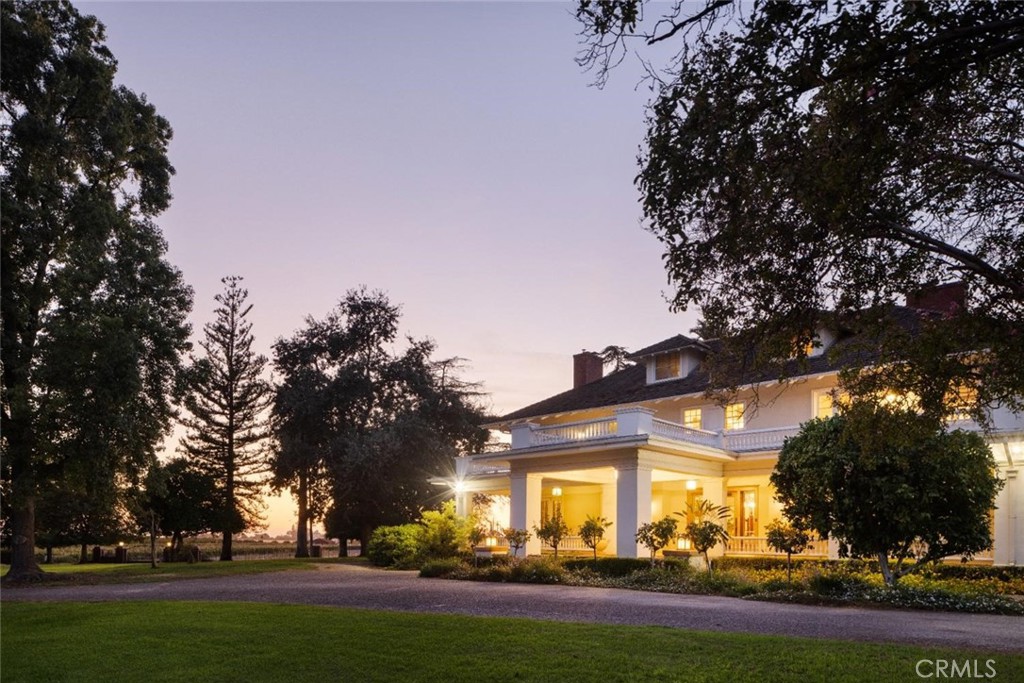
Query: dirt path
[364, 587]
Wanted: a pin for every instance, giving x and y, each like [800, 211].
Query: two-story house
[642, 442]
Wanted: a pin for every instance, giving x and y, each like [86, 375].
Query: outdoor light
[691, 484]
[490, 541]
[459, 487]
[120, 544]
[682, 543]
[557, 491]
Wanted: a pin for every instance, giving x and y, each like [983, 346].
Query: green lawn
[201, 641]
[65, 574]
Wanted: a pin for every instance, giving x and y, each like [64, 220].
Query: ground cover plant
[995, 590]
[158, 641]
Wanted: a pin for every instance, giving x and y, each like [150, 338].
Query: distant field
[175, 641]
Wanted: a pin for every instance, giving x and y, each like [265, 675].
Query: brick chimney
[947, 298]
[587, 367]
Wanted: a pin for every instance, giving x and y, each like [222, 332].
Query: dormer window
[667, 366]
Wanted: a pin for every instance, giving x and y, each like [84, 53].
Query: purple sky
[450, 154]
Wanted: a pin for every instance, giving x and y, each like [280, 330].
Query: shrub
[618, 566]
[656, 535]
[394, 546]
[537, 570]
[553, 531]
[592, 532]
[444, 533]
[516, 539]
[441, 567]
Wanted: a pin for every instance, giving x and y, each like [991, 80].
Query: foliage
[705, 531]
[617, 566]
[516, 539]
[444, 534]
[227, 402]
[889, 483]
[395, 546]
[553, 531]
[615, 356]
[440, 567]
[834, 158]
[383, 420]
[92, 315]
[592, 532]
[783, 537]
[656, 535]
[188, 504]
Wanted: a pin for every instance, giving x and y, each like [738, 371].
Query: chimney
[587, 367]
[947, 298]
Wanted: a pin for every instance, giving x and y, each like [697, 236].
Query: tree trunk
[883, 564]
[225, 545]
[789, 567]
[364, 540]
[301, 543]
[24, 566]
[342, 547]
[152, 539]
[83, 553]
[49, 554]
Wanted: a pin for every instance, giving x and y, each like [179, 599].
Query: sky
[451, 154]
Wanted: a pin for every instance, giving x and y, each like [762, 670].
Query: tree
[705, 529]
[384, 420]
[227, 423]
[592, 532]
[93, 317]
[516, 539]
[615, 356]
[553, 531]
[783, 537]
[656, 535]
[833, 158]
[187, 504]
[889, 483]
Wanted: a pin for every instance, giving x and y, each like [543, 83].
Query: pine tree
[227, 404]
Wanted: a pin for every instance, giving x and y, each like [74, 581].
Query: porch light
[691, 484]
[557, 491]
[460, 486]
[120, 544]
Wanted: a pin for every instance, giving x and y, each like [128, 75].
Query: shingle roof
[680, 341]
[629, 385]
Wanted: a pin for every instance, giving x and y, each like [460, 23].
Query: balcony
[639, 422]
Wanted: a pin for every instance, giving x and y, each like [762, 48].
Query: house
[642, 442]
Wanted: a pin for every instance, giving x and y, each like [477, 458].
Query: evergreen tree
[227, 424]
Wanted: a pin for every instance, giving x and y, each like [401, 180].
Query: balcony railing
[640, 421]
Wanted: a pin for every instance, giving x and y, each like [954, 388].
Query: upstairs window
[734, 416]
[666, 366]
[692, 418]
[823, 405]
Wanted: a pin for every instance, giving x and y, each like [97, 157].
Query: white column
[632, 507]
[525, 507]
[1005, 522]
[714, 493]
[608, 512]
[463, 503]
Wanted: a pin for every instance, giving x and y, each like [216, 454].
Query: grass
[91, 574]
[173, 641]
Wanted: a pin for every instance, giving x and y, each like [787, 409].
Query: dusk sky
[450, 154]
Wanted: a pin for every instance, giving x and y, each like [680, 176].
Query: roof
[629, 385]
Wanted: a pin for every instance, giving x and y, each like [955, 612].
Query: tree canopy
[808, 164]
[889, 483]
[381, 420]
[93, 316]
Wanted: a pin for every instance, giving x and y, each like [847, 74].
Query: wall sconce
[691, 484]
[556, 491]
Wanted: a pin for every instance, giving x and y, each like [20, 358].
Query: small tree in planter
[553, 531]
[516, 539]
[592, 532]
[656, 535]
[783, 537]
[706, 530]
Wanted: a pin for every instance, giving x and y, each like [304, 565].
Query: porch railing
[757, 439]
[758, 545]
[574, 431]
[678, 432]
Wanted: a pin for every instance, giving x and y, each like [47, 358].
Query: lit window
[692, 418]
[734, 416]
[823, 406]
[961, 402]
[742, 504]
[666, 366]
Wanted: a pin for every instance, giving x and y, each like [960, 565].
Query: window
[960, 402]
[734, 416]
[824, 406]
[742, 504]
[666, 366]
[692, 418]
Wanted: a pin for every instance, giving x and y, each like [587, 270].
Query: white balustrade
[574, 431]
[672, 430]
[758, 439]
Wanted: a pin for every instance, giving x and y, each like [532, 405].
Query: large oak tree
[93, 316]
[809, 164]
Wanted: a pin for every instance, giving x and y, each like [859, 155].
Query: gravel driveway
[364, 587]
